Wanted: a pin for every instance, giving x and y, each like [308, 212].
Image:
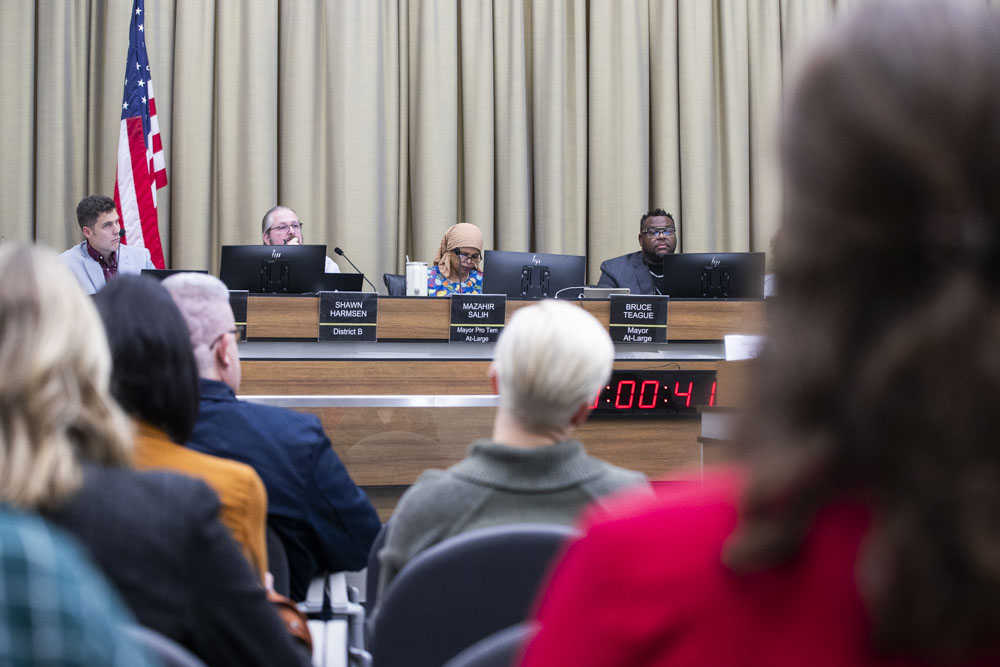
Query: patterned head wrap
[462, 235]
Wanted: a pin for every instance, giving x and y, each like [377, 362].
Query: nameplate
[238, 302]
[477, 318]
[638, 319]
[347, 316]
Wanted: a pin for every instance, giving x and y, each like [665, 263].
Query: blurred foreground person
[65, 452]
[56, 608]
[863, 528]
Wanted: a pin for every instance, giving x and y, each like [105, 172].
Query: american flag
[141, 166]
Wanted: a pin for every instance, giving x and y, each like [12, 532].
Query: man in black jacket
[642, 271]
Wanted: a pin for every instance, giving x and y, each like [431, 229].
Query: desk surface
[444, 351]
[427, 318]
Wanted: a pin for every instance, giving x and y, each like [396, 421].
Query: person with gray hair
[550, 362]
[281, 226]
[324, 521]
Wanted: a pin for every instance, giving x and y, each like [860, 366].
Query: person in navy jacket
[324, 521]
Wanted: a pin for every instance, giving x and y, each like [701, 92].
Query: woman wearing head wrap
[456, 265]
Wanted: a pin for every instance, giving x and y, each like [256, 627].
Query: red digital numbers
[685, 395]
[597, 399]
[636, 392]
[626, 399]
[644, 395]
[630, 384]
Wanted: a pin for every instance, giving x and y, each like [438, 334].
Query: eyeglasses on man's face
[474, 257]
[283, 227]
[653, 232]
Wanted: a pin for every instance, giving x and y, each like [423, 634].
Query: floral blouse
[438, 285]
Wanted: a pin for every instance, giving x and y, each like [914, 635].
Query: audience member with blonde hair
[65, 451]
[863, 528]
[550, 362]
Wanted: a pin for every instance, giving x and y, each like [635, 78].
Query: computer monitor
[161, 274]
[273, 269]
[532, 275]
[718, 275]
[340, 282]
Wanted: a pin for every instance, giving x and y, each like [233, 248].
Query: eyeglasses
[653, 232]
[283, 228]
[219, 337]
[461, 255]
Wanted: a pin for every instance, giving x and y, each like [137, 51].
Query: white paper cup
[416, 279]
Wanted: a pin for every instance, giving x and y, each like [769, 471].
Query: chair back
[168, 651]
[374, 568]
[463, 590]
[395, 284]
[500, 649]
[277, 563]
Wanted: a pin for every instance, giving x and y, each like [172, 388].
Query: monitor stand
[534, 281]
[715, 282]
[274, 276]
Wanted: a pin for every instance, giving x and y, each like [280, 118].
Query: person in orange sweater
[155, 380]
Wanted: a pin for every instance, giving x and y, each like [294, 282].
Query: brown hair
[882, 374]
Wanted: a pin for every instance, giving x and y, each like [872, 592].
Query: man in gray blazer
[102, 256]
[641, 271]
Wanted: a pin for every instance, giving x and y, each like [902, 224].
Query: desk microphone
[121, 233]
[341, 253]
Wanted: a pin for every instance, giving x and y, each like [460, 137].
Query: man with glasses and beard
[281, 226]
[642, 271]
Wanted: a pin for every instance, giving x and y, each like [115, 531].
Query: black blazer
[157, 537]
[627, 271]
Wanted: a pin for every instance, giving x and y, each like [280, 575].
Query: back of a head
[882, 370]
[154, 377]
[54, 403]
[551, 358]
[203, 301]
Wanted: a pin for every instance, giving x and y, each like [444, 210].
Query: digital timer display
[655, 393]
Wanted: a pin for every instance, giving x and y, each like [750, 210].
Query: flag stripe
[141, 162]
[145, 196]
[125, 191]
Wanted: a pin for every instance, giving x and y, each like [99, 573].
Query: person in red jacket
[863, 527]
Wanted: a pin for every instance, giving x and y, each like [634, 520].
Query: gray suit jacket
[627, 271]
[88, 272]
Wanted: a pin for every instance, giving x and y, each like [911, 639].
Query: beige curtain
[551, 124]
